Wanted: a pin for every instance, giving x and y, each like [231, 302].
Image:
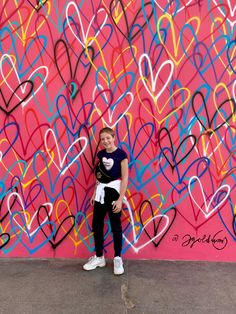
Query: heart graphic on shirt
[108, 163]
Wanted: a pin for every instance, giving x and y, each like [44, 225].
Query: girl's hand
[92, 199]
[117, 206]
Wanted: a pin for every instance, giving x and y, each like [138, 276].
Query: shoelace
[91, 258]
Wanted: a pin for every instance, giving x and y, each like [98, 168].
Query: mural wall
[162, 74]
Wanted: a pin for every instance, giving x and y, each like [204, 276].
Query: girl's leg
[99, 214]
[116, 228]
[115, 219]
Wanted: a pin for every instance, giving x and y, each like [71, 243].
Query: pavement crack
[125, 297]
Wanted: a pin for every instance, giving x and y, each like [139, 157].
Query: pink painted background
[162, 74]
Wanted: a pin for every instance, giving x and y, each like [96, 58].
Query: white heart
[32, 75]
[86, 41]
[206, 210]
[232, 10]
[62, 160]
[27, 223]
[205, 152]
[108, 163]
[135, 238]
[179, 10]
[110, 123]
[154, 92]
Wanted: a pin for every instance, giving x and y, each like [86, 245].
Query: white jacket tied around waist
[100, 192]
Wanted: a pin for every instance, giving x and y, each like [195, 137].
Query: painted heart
[87, 36]
[57, 18]
[53, 189]
[25, 19]
[207, 208]
[177, 177]
[5, 238]
[146, 210]
[84, 231]
[175, 39]
[63, 167]
[4, 202]
[217, 120]
[68, 221]
[12, 103]
[31, 243]
[175, 156]
[31, 139]
[77, 75]
[173, 7]
[156, 85]
[11, 11]
[118, 12]
[186, 208]
[227, 9]
[74, 118]
[37, 4]
[228, 219]
[36, 78]
[163, 222]
[115, 109]
[26, 226]
[170, 105]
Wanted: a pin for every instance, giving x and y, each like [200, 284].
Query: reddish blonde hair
[107, 130]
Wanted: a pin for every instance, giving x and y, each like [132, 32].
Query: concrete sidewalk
[60, 286]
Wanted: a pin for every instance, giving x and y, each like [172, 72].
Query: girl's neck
[111, 150]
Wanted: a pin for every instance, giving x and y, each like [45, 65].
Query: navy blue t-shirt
[112, 162]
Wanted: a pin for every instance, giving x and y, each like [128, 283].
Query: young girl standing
[111, 184]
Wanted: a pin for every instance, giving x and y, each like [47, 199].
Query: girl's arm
[94, 193]
[117, 206]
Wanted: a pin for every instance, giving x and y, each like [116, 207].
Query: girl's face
[108, 141]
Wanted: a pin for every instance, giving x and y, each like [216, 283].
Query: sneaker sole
[118, 274]
[94, 267]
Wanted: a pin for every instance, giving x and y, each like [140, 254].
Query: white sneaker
[94, 262]
[118, 266]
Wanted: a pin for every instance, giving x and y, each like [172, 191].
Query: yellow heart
[75, 239]
[225, 32]
[159, 203]
[183, 89]
[23, 174]
[25, 29]
[116, 62]
[118, 12]
[176, 57]
[221, 87]
[7, 228]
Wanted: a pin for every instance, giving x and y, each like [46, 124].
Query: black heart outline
[7, 103]
[8, 239]
[93, 154]
[129, 29]
[175, 163]
[72, 75]
[210, 121]
[11, 206]
[39, 4]
[53, 243]
[155, 227]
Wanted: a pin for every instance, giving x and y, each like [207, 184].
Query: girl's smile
[108, 142]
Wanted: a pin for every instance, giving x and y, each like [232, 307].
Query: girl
[112, 179]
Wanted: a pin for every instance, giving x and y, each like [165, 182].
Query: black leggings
[100, 211]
